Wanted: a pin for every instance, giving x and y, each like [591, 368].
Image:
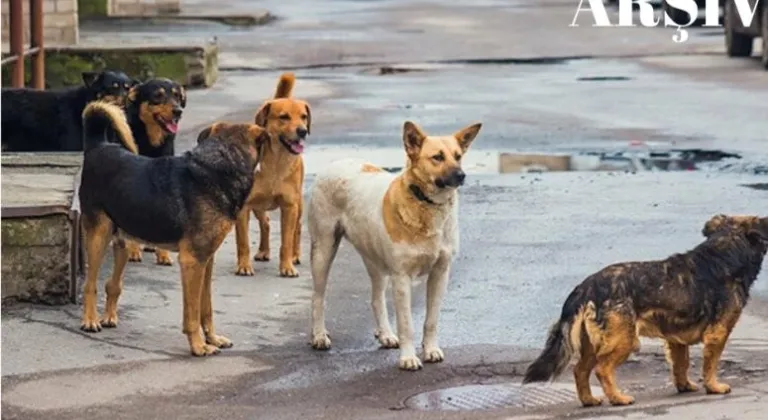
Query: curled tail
[563, 341]
[103, 121]
[285, 85]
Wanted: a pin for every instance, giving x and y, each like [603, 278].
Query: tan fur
[403, 226]
[280, 183]
[119, 121]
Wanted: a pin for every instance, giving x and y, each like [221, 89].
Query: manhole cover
[487, 397]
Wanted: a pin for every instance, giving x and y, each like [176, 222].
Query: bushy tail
[103, 121]
[285, 85]
[563, 341]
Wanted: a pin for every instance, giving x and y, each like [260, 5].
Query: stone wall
[60, 25]
[142, 7]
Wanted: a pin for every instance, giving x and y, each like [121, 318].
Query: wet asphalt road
[526, 239]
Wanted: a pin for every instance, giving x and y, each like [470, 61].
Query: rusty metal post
[36, 41]
[17, 42]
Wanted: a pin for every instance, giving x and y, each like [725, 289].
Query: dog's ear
[90, 77]
[757, 236]
[309, 118]
[133, 93]
[413, 139]
[713, 224]
[207, 131]
[466, 135]
[263, 114]
[183, 96]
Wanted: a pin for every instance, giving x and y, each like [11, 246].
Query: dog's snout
[301, 132]
[457, 177]
[177, 112]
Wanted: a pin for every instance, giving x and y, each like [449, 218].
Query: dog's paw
[163, 258]
[289, 271]
[321, 341]
[244, 269]
[718, 388]
[411, 363]
[109, 321]
[261, 256]
[622, 399]
[433, 355]
[90, 324]
[688, 387]
[219, 341]
[134, 255]
[204, 350]
[591, 401]
[387, 339]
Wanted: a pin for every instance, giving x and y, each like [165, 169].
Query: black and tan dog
[686, 299]
[51, 120]
[185, 203]
[280, 184]
[154, 109]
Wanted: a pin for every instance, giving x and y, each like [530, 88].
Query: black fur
[159, 200]
[144, 93]
[51, 120]
[685, 290]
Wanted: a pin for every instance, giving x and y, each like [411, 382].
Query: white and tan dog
[404, 226]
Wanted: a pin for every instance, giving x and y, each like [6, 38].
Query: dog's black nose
[177, 112]
[301, 132]
[457, 177]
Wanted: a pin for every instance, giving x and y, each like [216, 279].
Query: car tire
[679, 16]
[736, 44]
[764, 34]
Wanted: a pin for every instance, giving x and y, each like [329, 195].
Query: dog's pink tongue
[298, 147]
[172, 127]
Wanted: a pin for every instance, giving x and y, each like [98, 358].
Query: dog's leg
[383, 331]
[582, 370]
[114, 286]
[134, 251]
[322, 252]
[297, 237]
[289, 213]
[163, 257]
[436, 283]
[679, 360]
[244, 267]
[402, 288]
[192, 279]
[263, 218]
[206, 312]
[714, 339]
[98, 232]
[619, 341]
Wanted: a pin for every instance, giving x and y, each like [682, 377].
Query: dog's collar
[419, 194]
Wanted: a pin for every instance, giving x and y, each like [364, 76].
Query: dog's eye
[285, 117]
[438, 157]
[304, 117]
[458, 157]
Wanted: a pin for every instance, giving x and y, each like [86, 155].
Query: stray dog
[51, 120]
[686, 299]
[280, 184]
[404, 226]
[154, 109]
[187, 204]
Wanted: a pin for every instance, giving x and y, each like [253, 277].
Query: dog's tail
[102, 121]
[285, 85]
[564, 339]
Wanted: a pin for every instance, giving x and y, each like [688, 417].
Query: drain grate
[487, 397]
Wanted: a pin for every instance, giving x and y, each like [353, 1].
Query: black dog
[51, 120]
[153, 109]
[186, 203]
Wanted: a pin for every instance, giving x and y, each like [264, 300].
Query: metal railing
[36, 50]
